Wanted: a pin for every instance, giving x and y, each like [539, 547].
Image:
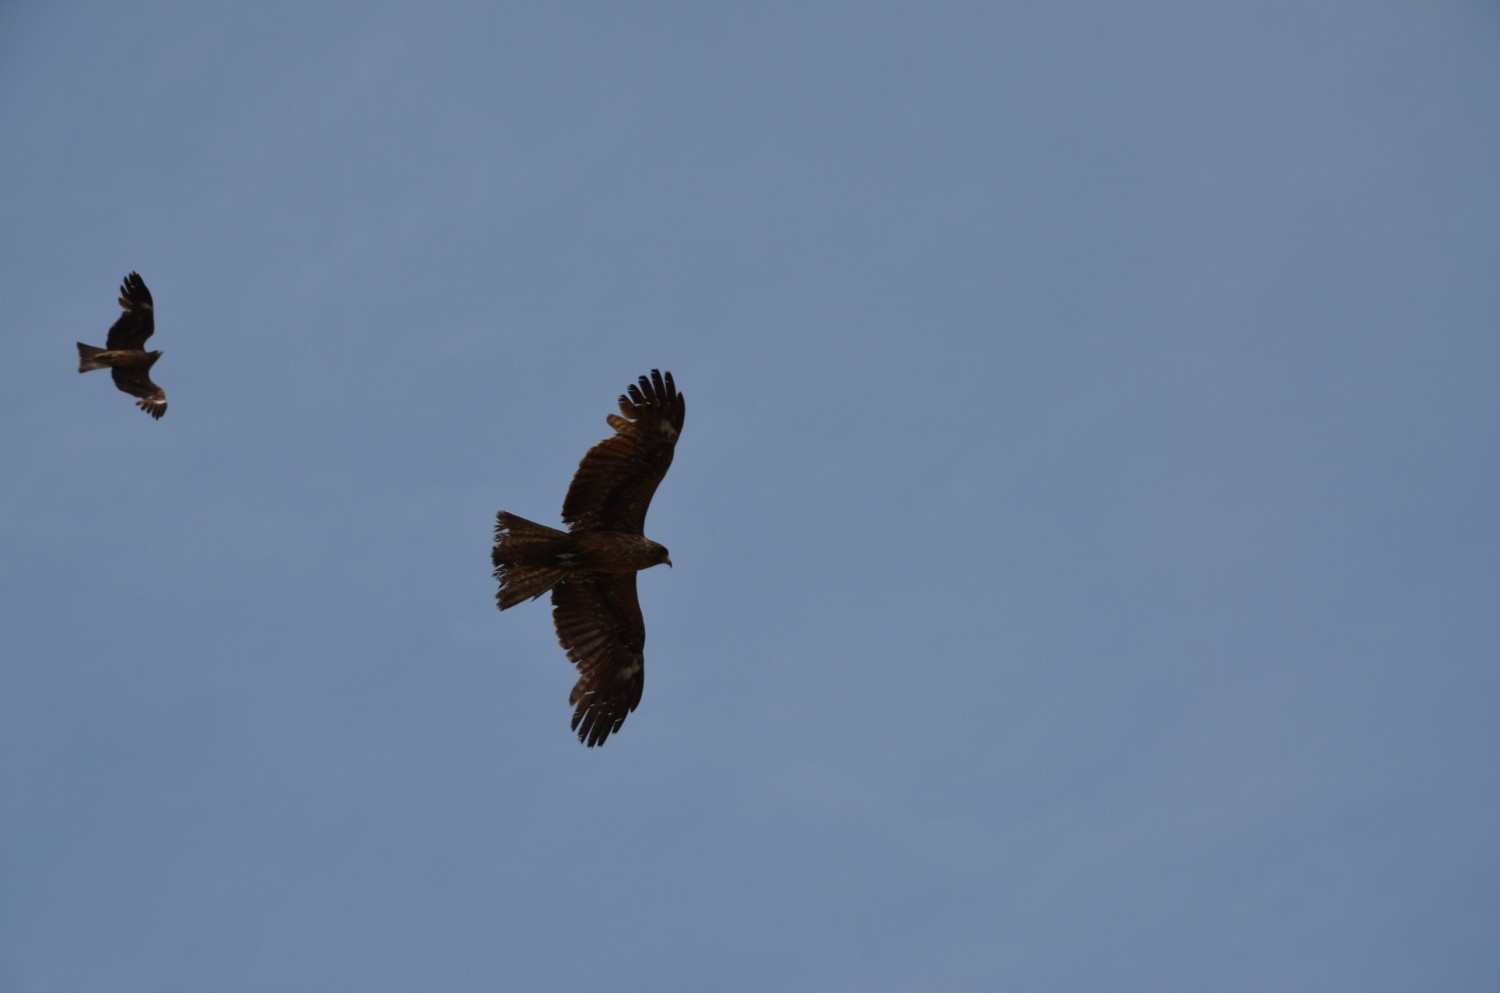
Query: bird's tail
[88, 358]
[529, 558]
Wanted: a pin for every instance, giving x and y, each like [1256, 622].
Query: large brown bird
[124, 352]
[591, 568]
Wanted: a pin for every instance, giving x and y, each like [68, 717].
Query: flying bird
[591, 567]
[124, 352]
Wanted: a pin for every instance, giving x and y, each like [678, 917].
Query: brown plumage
[124, 352]
[591, 567]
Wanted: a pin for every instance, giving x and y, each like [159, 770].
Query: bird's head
[662, 556]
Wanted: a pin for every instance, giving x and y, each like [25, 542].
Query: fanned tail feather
[529, 559]
[86, 360]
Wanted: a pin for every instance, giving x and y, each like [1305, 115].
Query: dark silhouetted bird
[124, 352]
[591, 567]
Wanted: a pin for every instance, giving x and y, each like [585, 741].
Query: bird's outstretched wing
[613, 486]
[136, 380]
[137, 322]
[598, 620]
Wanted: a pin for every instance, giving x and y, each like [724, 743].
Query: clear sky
[1085, 522]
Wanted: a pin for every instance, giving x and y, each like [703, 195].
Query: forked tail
[86, 358]
[529, 558]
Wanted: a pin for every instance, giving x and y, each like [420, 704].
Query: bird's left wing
[598, 620]
[137, 382]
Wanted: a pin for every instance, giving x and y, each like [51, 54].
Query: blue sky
[1084, 523]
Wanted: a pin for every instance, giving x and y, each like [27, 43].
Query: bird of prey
[124, 352]
[591, 567]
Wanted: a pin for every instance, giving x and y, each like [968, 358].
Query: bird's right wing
[137, 322]
[617, 478]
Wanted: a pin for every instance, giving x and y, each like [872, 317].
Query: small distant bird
[591, 568]
[124, 353]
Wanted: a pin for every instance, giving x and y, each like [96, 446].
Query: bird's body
[125, 352]
[590, 568]
[132, 361]
[537, 558]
